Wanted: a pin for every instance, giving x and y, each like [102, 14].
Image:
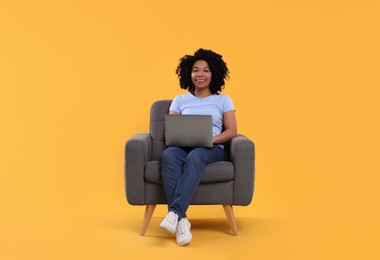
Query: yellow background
[78, 78]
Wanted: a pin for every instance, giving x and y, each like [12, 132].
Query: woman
[203, 75]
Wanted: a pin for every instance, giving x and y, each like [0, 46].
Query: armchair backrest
[157, 127]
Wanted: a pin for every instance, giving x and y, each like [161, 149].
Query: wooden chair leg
[231, 218]
[147, 216]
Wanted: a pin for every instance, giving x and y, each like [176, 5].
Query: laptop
[188, 130]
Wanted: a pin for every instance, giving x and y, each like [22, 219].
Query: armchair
[226, 183]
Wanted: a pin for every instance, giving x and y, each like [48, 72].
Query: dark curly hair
[217, 66]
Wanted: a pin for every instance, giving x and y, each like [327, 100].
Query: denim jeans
[181, 171]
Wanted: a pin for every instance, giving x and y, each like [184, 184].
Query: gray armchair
[224, 183]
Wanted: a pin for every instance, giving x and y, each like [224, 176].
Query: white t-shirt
[214, 105]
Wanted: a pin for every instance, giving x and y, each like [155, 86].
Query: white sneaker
[170, 222]
[183, 232]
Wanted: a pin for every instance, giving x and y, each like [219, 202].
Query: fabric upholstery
[157, 127]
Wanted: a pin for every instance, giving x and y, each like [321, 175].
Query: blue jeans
[181, 171]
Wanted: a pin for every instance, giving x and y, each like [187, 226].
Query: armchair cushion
[214, 172]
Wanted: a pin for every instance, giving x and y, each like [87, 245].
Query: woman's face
[201, 74]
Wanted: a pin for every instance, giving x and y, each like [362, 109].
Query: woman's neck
[202, 93]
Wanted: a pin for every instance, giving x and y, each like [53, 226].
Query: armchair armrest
[242, 155]
[138, 151]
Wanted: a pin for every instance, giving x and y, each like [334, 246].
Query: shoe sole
[185, 243]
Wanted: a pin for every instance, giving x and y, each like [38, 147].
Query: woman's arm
[173, 112]
[230, 127]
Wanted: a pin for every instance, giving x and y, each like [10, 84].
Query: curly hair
[217, 66]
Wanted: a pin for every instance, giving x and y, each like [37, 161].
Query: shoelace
[183, 228]
[172, 218]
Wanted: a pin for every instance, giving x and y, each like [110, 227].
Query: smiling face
[201, 75]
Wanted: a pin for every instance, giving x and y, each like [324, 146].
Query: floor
[115, 235]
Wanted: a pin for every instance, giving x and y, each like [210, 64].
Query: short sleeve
[227, 104]
[175, 105]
